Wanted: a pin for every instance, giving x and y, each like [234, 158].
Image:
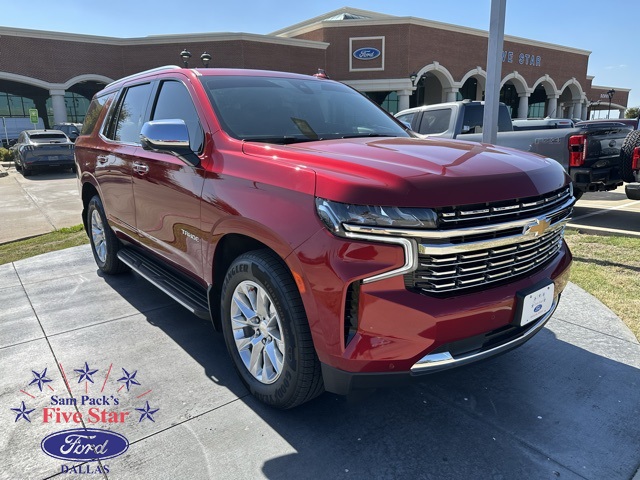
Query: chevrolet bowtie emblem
[537, 228]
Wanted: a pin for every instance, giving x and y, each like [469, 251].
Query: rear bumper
[595, 179]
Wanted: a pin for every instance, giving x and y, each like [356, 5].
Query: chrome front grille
[489, 213]
[473, 268]
[493, 247]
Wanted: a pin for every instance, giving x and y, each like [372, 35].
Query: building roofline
[161, 39]
[320, 18]
[377, 19]
[617, 89]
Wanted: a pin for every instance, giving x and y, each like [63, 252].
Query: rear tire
[267, 333]
[626, 155]
[104, 243]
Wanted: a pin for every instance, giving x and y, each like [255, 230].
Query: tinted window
[407, 118]
[93, 113]
[130, 114]
[48, 137]
[435, 121]
[473, 116]
[288, 110]
[174, 101]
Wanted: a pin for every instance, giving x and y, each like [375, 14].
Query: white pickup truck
[589, 153]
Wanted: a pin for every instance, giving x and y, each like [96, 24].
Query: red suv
[332, 248]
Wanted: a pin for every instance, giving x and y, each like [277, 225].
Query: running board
[189, 296]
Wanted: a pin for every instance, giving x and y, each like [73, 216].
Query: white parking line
[605, 210]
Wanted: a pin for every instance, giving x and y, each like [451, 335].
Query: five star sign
[147, 412]
[40, 378]
[22, 412]
[129, 379]
[85, 373]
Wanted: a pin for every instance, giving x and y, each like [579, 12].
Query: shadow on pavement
[549, 409]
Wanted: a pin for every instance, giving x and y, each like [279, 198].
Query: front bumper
[400, 333]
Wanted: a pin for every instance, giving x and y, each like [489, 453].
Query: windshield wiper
[279, 140]
[364, 135]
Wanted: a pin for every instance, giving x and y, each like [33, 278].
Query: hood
[418, 172]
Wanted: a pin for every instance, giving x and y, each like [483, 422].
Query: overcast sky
[608, 29]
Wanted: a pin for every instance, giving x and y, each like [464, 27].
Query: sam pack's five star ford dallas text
[332, 248]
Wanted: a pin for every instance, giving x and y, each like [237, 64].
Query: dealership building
[399, 62]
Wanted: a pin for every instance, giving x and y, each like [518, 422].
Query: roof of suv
[245, 72]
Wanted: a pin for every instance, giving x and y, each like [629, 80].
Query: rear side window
[174, 102]
[48, 137]
[129, 116]
[435, 121]
[94, 111]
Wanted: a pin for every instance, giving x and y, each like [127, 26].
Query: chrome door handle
[140, 168]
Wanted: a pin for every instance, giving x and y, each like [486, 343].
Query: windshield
[290, 110]
[48, 138]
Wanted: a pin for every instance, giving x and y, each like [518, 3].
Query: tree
[632, 112]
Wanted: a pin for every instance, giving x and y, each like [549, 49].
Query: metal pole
[494, 71]
[6, 135]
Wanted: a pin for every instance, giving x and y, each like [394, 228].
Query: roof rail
[152, 70]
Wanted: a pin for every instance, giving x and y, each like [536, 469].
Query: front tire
[104, 243]
[267, 333]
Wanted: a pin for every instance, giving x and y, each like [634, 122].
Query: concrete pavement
[38, 204]
[563, 406]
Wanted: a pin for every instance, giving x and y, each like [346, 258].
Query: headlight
[335, 214]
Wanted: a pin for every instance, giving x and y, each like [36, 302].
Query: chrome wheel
[98, 236]
[257, 331]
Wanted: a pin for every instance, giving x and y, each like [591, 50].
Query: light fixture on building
[206, 58]
[186, 55]
[413, 78]
[610, 94]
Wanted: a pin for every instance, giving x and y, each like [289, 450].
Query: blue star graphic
[147, 412]
[85, 373]
[40, 378]
[23, 412]
[129, 379]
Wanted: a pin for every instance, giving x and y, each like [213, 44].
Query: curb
[3, 171]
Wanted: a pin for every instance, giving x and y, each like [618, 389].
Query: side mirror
[168, 136]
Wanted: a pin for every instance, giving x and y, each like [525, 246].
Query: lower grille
[473, 268]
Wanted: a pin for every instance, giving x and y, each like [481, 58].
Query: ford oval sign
[367, 53]
[84, 444]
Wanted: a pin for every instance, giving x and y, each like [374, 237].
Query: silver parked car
[38, 149]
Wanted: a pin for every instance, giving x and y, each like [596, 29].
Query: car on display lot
[71, 130]
[42, 149]
[333, 248]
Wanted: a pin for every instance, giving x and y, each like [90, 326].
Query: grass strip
[608, 268]
[49, 242]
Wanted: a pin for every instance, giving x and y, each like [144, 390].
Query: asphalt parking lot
[565, 405]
